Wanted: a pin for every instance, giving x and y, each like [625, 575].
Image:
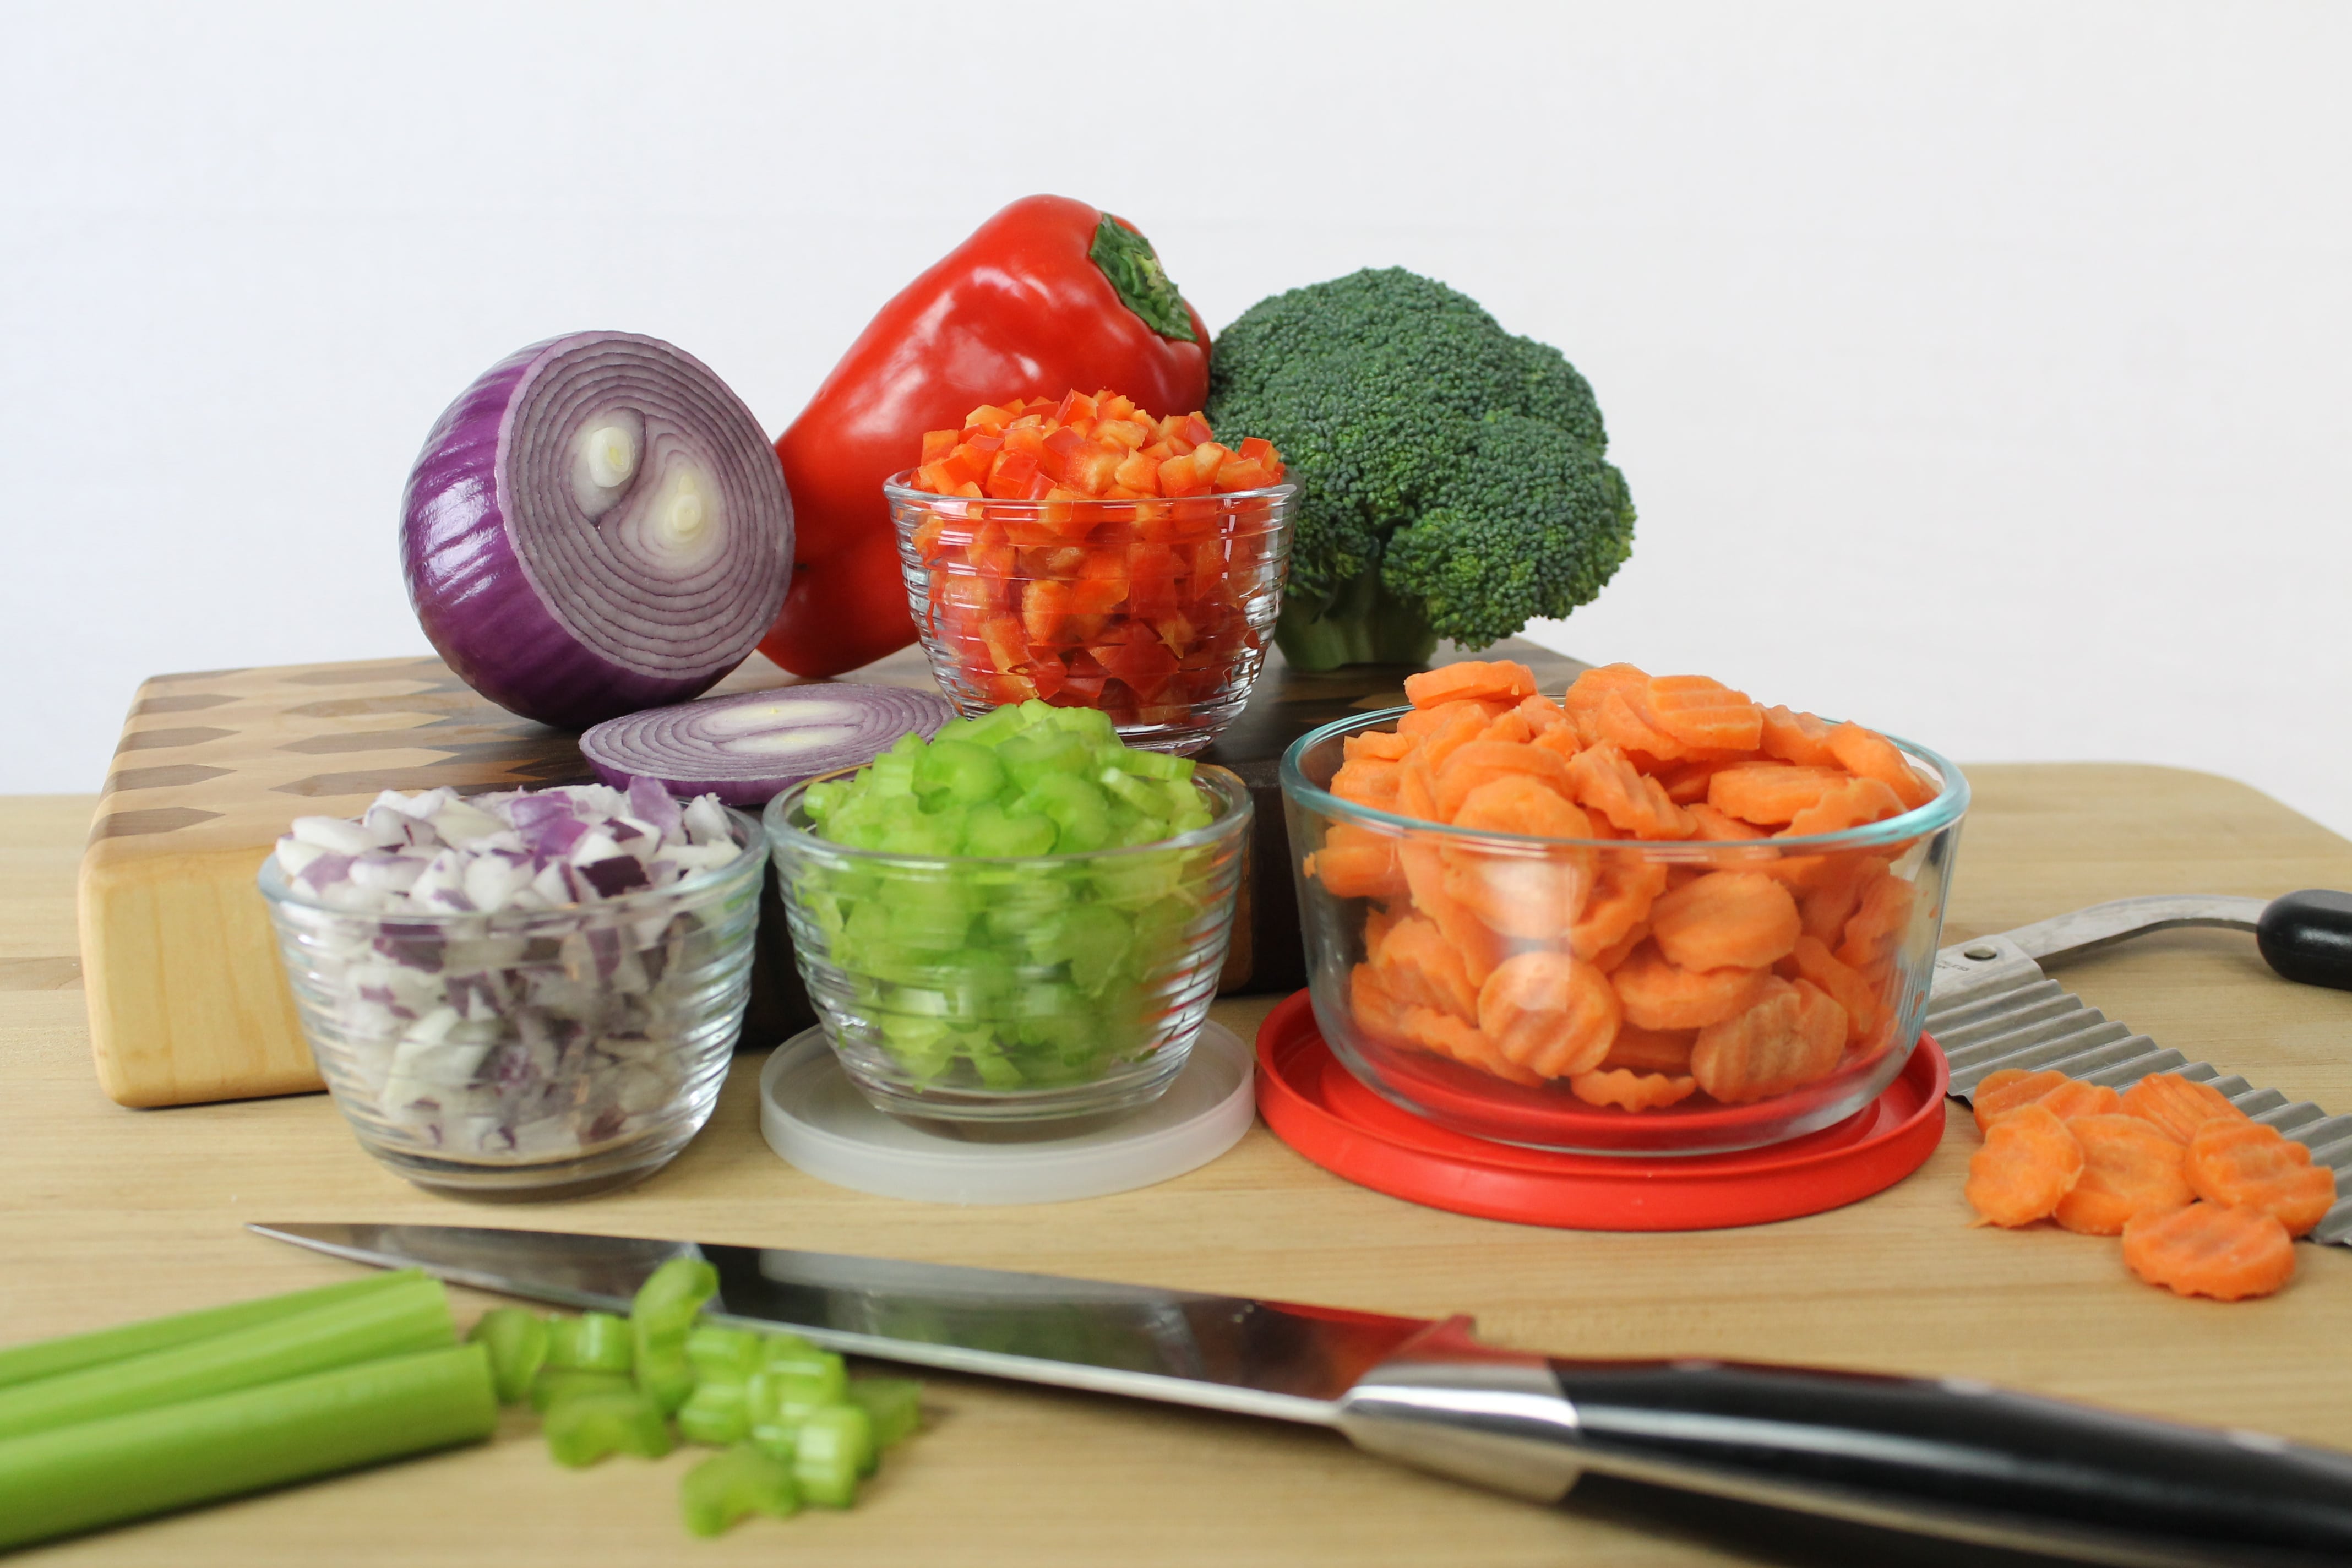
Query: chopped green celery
[925, 1047]
[1040, 754]
[341, 1331]
[592, 1341]
[719, 1352]
[992, 728]
[792, 1354]
[670, 1300]
[895, 1405]
[732, 1486]
[555, 1384]
[1151, 764]
[1091, 724]
[516, 1338]
[1133, 882]
[957, 772]
[990, 829]
[587, 1427]
[1078, 809]
[996, 1070]
[1141, 795]
[833, 1447]
[717, 1412]
[47, 1358]
[126, 1467]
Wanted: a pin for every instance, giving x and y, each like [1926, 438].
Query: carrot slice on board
[1549, 1013]
[1797, 738]
[2130, 1170]
[1421, 969]
[2029, 1164]
[1999, 1093]
[1448, 1036]
[1726, 919]
[1849, 804]
[2179, 1105]
[1356, 862]
[1866, 754]
[1471, 678]
[1814, 961]
[1624, 886]
[1651, 1050]
[1602, 778]
[1699, 711]
[2252, 1165]
[1770, 794]
[1790, 1035]
[1631, 1091]
[2073, 1099]
[1483, 761]
[2208, 1250]
[1657, 995]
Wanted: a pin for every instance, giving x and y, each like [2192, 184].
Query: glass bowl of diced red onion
[526, 995]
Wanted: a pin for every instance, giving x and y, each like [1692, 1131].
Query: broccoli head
[1453, 479]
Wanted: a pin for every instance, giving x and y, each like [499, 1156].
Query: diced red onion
[596, 525]
[748, 748]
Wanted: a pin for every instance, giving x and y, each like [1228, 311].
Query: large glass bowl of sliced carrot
[1085, 554]
[1648, 916]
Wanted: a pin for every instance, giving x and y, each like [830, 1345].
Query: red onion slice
[748, 749]
[596, 525]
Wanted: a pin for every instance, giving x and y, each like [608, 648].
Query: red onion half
[748, 748]
[596, 525]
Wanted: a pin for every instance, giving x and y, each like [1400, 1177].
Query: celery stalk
[125, 1466]
[47, 1358]
[411, 1316]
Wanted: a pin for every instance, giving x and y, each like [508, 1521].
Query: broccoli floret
[1453, 479]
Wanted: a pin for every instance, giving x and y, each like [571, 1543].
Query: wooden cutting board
[186, 1000]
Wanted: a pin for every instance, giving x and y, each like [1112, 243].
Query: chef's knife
[1946, 1456]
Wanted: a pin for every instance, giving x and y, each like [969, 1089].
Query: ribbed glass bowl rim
[1233, 796]
[274, 888]
[1935, 814]
[899, 492]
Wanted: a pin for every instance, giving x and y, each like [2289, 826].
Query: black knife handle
[1946, 1457]
[2307, 936]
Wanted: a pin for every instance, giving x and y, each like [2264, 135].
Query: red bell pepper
[1046, 296]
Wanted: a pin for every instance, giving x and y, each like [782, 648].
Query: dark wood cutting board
[186, 1001]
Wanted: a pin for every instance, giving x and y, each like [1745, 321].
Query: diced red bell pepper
[1008, 647]
[1009, 477]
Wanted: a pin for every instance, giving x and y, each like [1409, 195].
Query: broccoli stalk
[1453, 479]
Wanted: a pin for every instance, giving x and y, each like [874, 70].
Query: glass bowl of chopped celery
[1020, 921]
[525, 996]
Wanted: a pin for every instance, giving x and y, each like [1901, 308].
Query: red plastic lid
[1317, 1107]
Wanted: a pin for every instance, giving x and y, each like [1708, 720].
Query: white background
[1980, 371]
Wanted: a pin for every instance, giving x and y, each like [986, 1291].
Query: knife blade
[1944, 1457]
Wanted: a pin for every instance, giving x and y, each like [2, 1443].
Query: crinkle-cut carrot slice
[2250, 1164]
[2011, 1089]
[2029, 1164]
[1814, 961]
[1373, 1010]
[1651, 1050]
[1533, 894]
[1717, 826]
[1624, 886]
[1849, 804]
[1789, 1037]
[1798, 738]
[1602, 778]
[1833, 896]
[2130, 1169]
[2179, 1105]
[1424, 722]
[1657, 995]
[1450, 737]
[1769, 793]
[1368, 781]
[1512, 729]
[1450, 1037]
[1700, 711]
[1383, 745]
[1880, 917]
[1562, 739]
[1421, 969]
[2208, 1250]
[1416, 789]
[1549, 1013]
[1379, 920]
[1866, 754]
[1735, 920]
[1623, 720]
[2076, 1098]
[1470, 679]
[1480, 947]
[1685, 782]
[1631, 1091]
[1585, 693]
[1543, 715]
[1357, 862]
[1482, 762]
[1609, 959]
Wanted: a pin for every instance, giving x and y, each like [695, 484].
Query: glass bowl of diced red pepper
[1087, 555]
